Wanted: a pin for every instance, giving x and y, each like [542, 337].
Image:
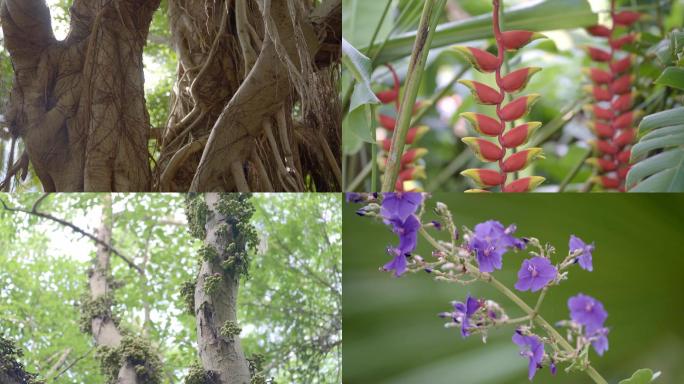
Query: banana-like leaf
[642, 376]
[360, 67]
[672, 77]
[542, 15]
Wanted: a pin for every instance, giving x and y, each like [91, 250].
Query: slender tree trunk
[79, 104]
[219, 353]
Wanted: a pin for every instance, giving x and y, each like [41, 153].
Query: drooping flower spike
[410, 169]
[498, 140]
[613, 100]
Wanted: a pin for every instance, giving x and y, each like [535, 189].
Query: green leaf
[642, 376]
[656, 164]
[541, 16]
[667, 141]
[356, 129]
[662, 119]
[360, 68]
[672, 77]
[360, 18]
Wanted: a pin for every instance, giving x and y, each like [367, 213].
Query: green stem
[421, 48]
[539, 303]
[575, 170]
[489, 279]
[374, 151]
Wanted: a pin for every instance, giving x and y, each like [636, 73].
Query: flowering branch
[614, 118]
[495, 152]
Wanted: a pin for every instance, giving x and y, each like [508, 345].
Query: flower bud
[599, 31]
[484, 177]
[624, 156]
[482, 93]
[606, 182]
[412, 155]
[520, 134]
[598, 54]
[602, 130]
[387, 97]
[481, 60]
[619, 42]
[621, 65]
[526, 184]
[622, 84]
[387, 122]
[598, 76]
[513, 40]
[599, 93]
[485, 150]
[483, 123]
[520, 160]
[517, 80]
[624, 102]
[626, 18]
[626, 137]
[604, 165]
[518, 107]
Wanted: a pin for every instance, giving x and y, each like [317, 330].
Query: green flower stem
[539, 303]
[426, 28]
[575, 170]
[374, 151]
[589, 370]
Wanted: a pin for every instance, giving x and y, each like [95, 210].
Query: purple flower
[584, 258]
[491, 241]
[463, 312]
[400, 205]
[407, 231]
[532, 348]
[587, 311]
[397, 264]
[535, 273]
[353, 197]
[599, 340]
[552, 368]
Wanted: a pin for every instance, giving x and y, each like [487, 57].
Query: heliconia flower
[520, 134]
[517, 80]
[599, 31]
[483, 123]
[525, 184]
[387, 122]
[602, 130]
[414, 134]
[605, 146]
[626, 137]
[622, 84]
[484, 177]
[623, 157]
[412, 173]
[521, 160]
[481, 60]
[604, 165]
[624, 102]
[621, 65]
[485, 150]
[518, 107]
[622, 172]
[625, 120]
[535, 274]
[598, 76]
[602, 113]
[513, 40]
[483, 93]
[619, 42]
[585, 257]
[412, 155]
[606, 181]
[532, 348]
[387, 97]
[626, 18]
[599, 93]
[598, 54]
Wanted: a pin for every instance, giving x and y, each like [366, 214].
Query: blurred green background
[392, 333]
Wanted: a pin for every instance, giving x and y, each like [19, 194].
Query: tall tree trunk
[255, 103]
[79, 104]
[215, 307]
[105, 331]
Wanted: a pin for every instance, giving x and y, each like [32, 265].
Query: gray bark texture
[79, 104]
[217, 353]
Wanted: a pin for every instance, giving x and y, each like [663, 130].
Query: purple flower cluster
[584, 259]
[589, 312]
[398, 211]
[490, 241]
[463, 312]
[535, 274]
[532, 348]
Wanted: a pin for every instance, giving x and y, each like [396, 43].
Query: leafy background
[393, 334]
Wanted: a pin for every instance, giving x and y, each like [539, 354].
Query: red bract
[387, 97]
[515, 81]
[599, 31]
[412, 155]
[387, 122]
[614, 118]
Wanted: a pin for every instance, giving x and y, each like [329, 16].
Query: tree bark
[218, 353]
[79, 104]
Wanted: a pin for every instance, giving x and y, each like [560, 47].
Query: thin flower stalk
[498, 144]
[613, 99]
